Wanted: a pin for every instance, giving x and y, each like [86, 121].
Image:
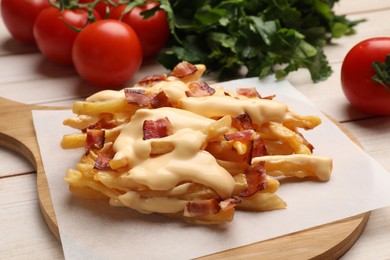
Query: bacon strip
[201, 208]
[258, 147]
[229, 203]
[160, 100]
[150, 80]
[252, 93]
[183, 69]
[137, 96]
[243, 121]
[102, 124]
[248, 92]
[199, 89]
[102, 162]
[157, 128]
[256, 179]
[95, 139]
[245, 135]
[144, 99]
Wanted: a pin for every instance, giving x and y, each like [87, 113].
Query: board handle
[17, 133]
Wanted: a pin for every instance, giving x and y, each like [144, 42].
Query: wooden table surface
[25, 76]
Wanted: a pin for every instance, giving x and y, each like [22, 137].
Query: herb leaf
[238, 38]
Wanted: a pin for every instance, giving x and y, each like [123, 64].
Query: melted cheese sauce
[106, 95]
[187, 162]
[259, 110]
[174, 89]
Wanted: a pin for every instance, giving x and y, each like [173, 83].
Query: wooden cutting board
[329, 241]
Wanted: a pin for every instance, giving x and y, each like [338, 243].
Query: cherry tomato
[357, 72]
[101, 7]
[19, 17]
[153, 32]
[107, 53]
[54, 35]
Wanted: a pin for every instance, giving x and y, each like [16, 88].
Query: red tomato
[153, 32]
[54, 35]
[356, 73]
[19, 17]
[107, 53]
[101, 7]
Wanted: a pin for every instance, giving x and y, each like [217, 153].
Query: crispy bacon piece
[243, 136]
[229, 203]
[150, 80]
[252, 93]
[102, 162]
[95, 139]
[183, 69]
[157, 128]
[256, 179]
[269, 97]
[242, 121]
[137, 96]
[199, 89]
[201, 208]
[248, 92]
[160, 100]
[102, 124]
[258, 147]
[144, 99]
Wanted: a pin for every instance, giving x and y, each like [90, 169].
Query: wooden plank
[52, 85]
[374, 243]
[327, 95]
[24, 232]
[374, 136]
[30, 67]
[359, 6]
[13, 164]
[374, 26]
[9, 46]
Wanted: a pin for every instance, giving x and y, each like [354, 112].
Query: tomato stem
[382, 70]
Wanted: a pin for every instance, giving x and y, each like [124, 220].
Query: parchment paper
[94, 230]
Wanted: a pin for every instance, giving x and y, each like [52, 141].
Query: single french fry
[161, 147]
[297, 121]
[289, 137]
[271, 185]
[262, 201]
[108, 106]
[298, 165]
[82, 121]
[215, 130]
[72, 141]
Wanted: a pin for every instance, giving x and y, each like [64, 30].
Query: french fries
[175, 146]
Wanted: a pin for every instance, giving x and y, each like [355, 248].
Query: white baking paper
[94, 230]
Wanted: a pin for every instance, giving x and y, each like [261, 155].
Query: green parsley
[237, 38]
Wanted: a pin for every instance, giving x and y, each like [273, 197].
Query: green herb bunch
[237, 38]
